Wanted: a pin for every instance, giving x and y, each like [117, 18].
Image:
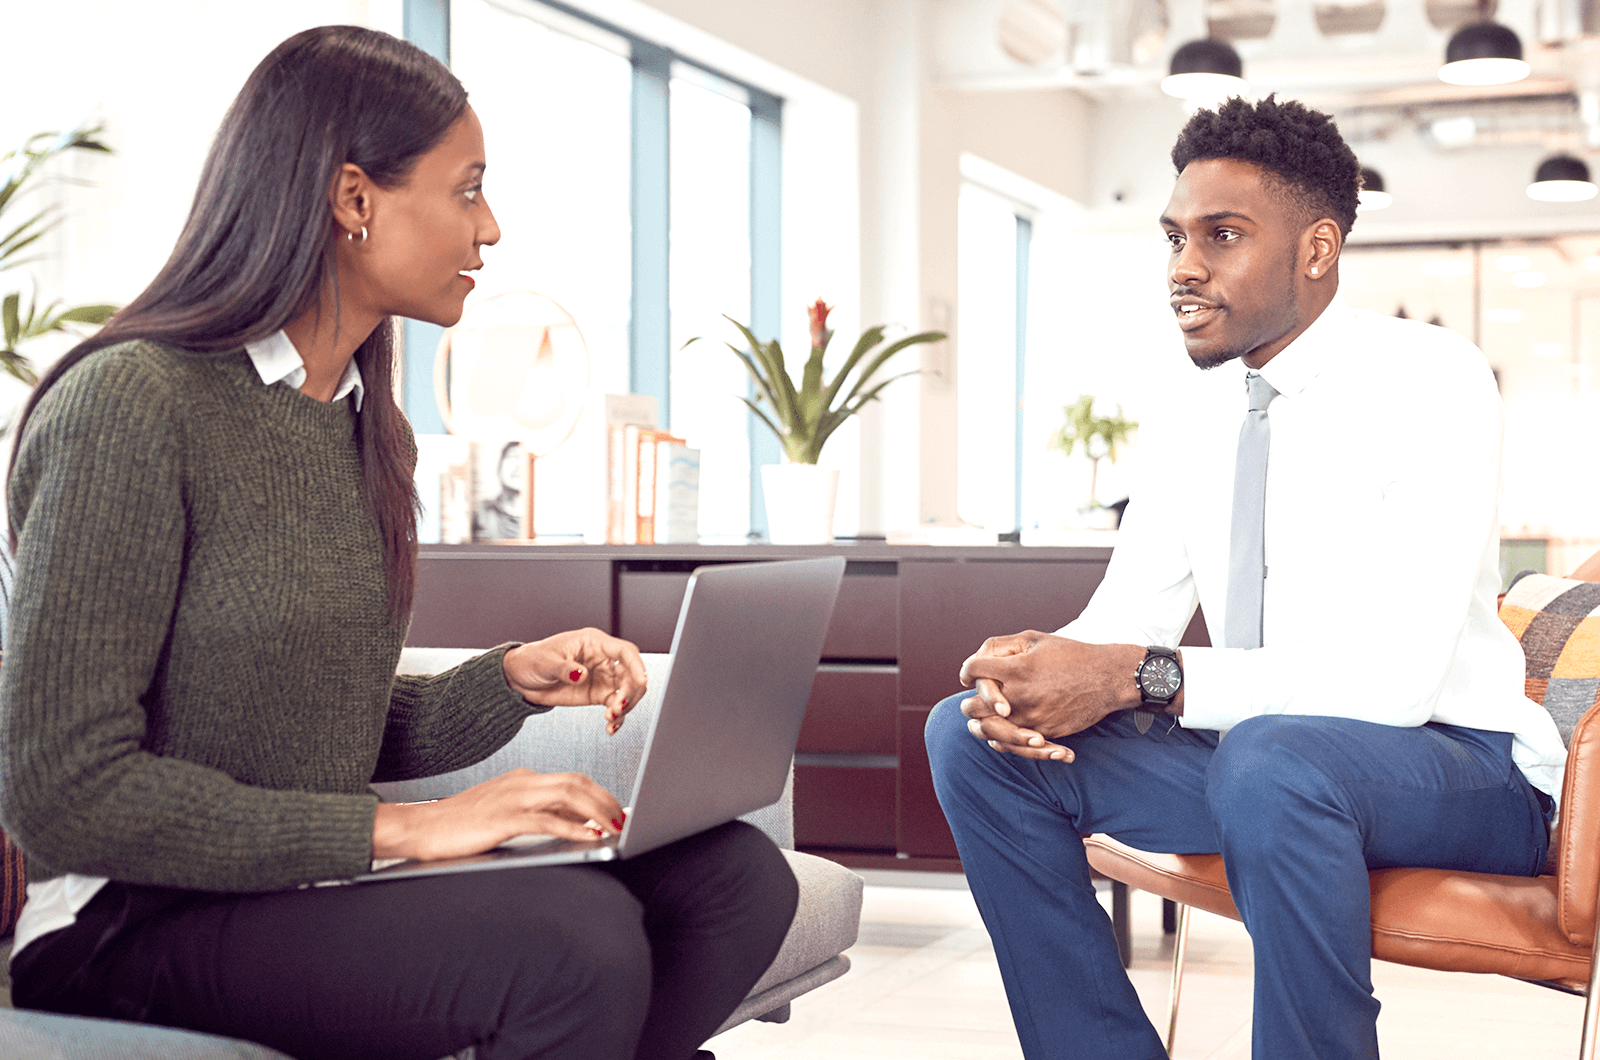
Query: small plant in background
[805, 416]
[21, 321]
[1099, 436]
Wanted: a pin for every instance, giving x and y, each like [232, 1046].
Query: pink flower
[819, 324]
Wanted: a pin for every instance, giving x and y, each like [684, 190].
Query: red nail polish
[624, 703]
[575, 676]
[616, 824]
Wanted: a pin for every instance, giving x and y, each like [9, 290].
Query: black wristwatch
[1159, 676]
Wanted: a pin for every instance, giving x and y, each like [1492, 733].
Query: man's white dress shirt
[1382, 541]
[54, 904]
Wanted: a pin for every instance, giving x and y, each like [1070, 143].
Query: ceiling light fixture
[1483, 53]
[1372, 196]
[1207, 69]
[1562, 178]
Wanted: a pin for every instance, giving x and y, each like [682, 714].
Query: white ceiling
[1115, 48]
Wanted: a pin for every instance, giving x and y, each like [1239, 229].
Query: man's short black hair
[1299, 146]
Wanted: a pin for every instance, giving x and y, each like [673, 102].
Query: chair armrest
[570, 740]
[1577, 835]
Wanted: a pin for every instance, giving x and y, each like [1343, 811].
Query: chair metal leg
[1591, 1011]
[1119, 921]
[1180, 944]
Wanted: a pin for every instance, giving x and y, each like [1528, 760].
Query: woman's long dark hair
[257, 250]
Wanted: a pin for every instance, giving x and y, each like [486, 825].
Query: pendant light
[1483, 53]
[1207, 69]
[1372, 196]
[1562, 178]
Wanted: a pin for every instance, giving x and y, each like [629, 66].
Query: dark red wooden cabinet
[906, 618]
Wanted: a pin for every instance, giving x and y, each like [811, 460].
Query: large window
[627, 182]
[709, 276]
[1013, 381]
[555, 111]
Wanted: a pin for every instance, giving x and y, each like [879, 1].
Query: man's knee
[947, 737]
[1264, 768]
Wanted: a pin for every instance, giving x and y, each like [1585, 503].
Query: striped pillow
[1558, 623]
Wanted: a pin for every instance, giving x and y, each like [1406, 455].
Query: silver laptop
[744, 655]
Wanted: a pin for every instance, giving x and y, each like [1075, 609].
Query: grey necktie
[1247, 567]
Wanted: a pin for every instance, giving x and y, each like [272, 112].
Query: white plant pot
[800, 503]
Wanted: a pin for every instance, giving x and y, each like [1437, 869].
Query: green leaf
[773, 427]
[88, 314]
[865, 378]
[869, 338]
[755, 374]
[8, 318]
[20, 238]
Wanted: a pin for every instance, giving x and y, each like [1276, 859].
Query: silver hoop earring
[351, 236]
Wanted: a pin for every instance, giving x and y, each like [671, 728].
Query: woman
[214, 517]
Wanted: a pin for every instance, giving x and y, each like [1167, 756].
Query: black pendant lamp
[1207, 69]
[1372, 196]
[1562, 178]
[1483, 53]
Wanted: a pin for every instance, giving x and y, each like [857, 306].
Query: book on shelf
[444, 486]
[473, 490]
[677, 493]
[502, 491]
[625, 415]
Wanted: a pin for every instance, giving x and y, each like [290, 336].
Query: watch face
[1160, 677]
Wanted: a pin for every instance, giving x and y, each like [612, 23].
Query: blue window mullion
[427, 25]
[650, 354]
[766, 258]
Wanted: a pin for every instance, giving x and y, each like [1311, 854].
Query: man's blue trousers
[1299, 807]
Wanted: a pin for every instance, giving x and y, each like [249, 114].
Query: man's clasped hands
[1033, 688]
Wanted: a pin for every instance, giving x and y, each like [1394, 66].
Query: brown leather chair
[1540, 929]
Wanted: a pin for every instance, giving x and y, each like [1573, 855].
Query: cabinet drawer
[921, 829]
[948, 609]
[844, 806]
[851, 710]
[475, 601]
[648, 603]
[867, 615]
[862, 627]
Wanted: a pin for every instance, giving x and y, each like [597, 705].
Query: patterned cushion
[1558, 622]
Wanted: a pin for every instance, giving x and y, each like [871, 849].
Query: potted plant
[1099, 436]
[804, 415]
[21, 321]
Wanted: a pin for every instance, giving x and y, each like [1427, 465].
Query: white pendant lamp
[1372, 196]
[1562, 178]
[1207, 69]
[1483, 53]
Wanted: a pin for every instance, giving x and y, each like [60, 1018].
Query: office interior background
[658, 165]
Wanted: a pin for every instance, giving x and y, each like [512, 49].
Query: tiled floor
[924, 985]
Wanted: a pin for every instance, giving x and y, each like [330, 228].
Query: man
[1371, 700]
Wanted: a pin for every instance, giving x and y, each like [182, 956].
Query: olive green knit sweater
[199, 680]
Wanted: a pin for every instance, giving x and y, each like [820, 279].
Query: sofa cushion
[45, 1036]
[826, 923]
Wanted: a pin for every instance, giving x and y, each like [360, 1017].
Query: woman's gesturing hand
[521, 802]
[577, 668]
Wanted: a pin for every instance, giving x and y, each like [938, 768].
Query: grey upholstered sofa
[561, 740]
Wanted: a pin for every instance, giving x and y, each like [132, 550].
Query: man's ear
[351, 198]
[1320, 248]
